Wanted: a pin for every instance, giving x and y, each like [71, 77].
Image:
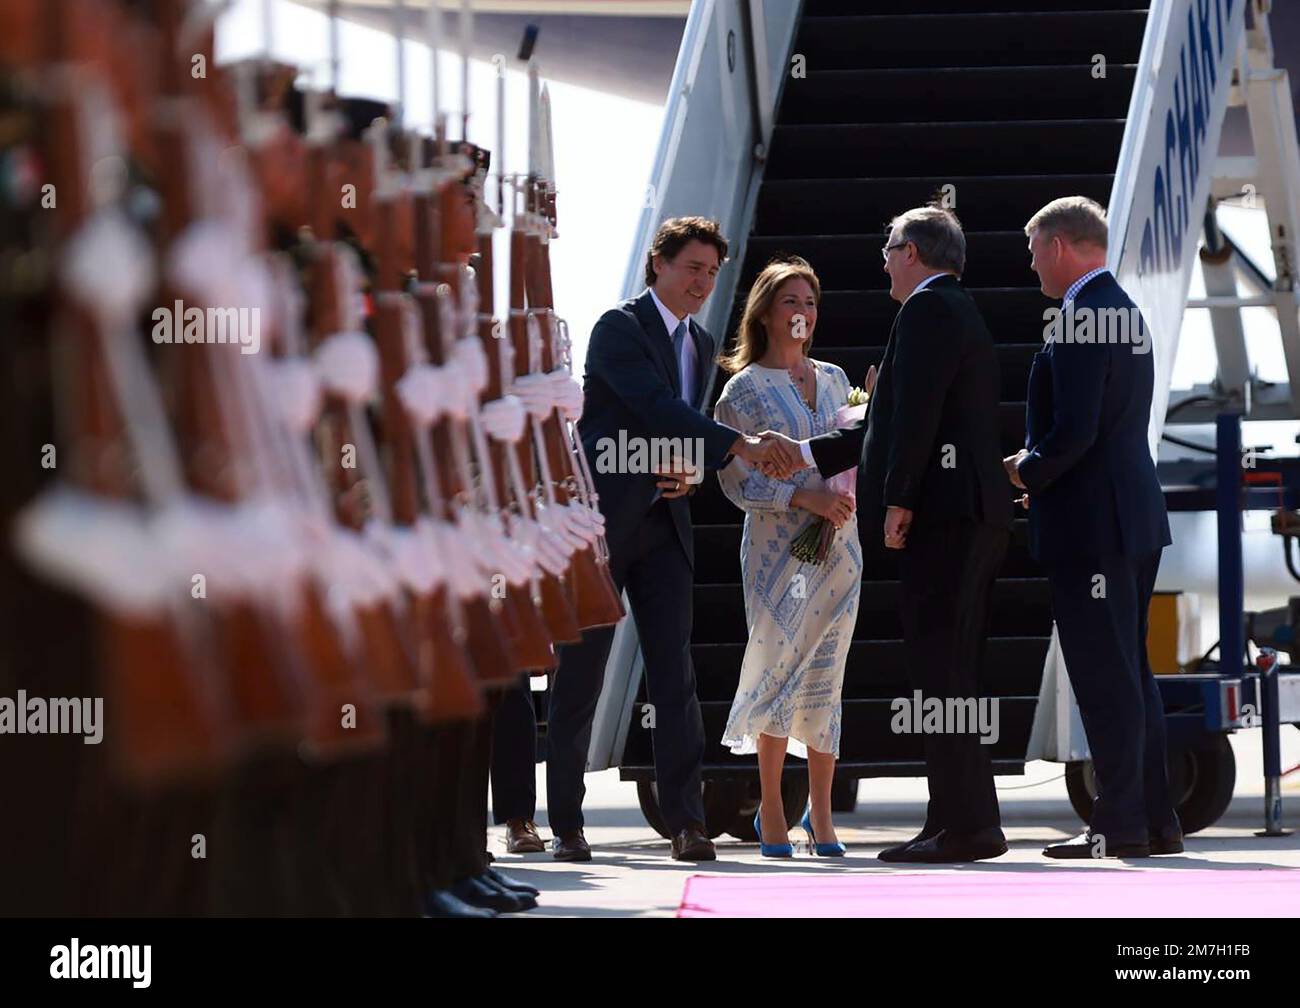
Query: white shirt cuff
[806, 452]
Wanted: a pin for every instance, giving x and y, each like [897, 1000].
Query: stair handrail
[1164, 173]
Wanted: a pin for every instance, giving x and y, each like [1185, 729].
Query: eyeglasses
[884, 252]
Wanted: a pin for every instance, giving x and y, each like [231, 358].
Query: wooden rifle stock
[529, 643]
[156, 671]
[596, 601]
[394, 252]
[386, 633]
[265, 674]
[555, 597]
[343, 714]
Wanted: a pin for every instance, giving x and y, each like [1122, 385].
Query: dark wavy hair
[675, 234]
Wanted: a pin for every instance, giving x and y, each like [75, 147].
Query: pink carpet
[1047, 892]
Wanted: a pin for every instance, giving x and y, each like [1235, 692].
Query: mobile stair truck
[803, 127]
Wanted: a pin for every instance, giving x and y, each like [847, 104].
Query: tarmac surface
[632, 873]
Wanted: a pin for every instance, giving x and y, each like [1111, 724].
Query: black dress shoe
[955, 848]
[1086, 845]
[692, 844]
[441, 903]
[1166, 843]
[513, 884]
[480, 894]
[892, 853]
[527, 901]
[571, 847]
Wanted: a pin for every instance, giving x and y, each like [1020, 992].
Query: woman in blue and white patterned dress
[800, 615]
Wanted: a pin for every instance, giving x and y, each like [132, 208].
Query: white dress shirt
[804, 450]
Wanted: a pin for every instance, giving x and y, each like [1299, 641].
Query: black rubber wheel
[1201, 780]
[794, 799]
[844, 794]
[722, 798]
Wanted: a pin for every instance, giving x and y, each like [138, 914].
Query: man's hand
[784, 457]
[1023, 501]
[897, 521]
[673, 487]
[753, 450]
[1012, 465]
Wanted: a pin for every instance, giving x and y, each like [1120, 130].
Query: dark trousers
[1100, 605]
[947, 572]
[653, 568]
[514, 756]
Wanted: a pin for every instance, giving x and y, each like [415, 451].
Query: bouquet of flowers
[813, 544]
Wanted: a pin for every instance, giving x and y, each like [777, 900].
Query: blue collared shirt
[1072, 291]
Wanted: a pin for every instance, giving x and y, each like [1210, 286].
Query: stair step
[993, 258]
[861, 205]
[1034, 147]
[1018, 607]
[1011, 313]
[717, 552]
[1017, 38]
[878, 670]
[866, 734]
[1014, 361]
[930, 95]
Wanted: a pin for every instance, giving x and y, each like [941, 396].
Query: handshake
[777, 456]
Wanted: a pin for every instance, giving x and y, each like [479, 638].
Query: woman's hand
[834, 507]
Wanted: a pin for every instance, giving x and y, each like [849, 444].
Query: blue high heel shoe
[836, 849]
[771, 849]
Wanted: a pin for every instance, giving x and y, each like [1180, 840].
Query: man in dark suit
[929, 476]
[649, 368]
[1097, 522]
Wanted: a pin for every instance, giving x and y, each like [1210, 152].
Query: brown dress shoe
[522, 838]
[693, 844]
[571, 847]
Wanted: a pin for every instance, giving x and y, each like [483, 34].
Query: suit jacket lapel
[703, 363]
[660, 339]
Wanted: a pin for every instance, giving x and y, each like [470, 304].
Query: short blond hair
[1073, 218]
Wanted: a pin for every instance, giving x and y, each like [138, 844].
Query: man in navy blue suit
[1097, 523]
[649, 368]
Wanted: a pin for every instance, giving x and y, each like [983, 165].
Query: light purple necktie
[685, 361]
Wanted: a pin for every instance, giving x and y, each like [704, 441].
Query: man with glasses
[930, 478]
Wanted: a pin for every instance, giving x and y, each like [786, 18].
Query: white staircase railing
[717, 128]
[1166, 166]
